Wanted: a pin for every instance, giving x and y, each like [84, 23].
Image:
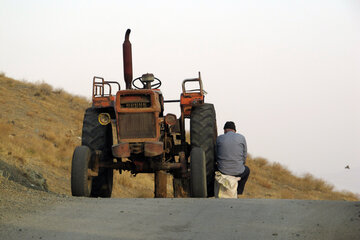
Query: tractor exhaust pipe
[127, 59]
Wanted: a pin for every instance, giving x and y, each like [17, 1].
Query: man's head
[229, 126]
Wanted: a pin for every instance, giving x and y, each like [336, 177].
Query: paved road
[82, 218]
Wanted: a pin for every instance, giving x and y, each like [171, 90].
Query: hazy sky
[286, 72]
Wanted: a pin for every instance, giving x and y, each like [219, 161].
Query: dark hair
[230, 125]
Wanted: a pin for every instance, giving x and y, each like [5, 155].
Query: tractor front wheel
[198, 183]
[80, 180]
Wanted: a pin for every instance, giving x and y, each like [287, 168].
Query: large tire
[80, 181]
[198, 183]
[203, 134]
[99, 137]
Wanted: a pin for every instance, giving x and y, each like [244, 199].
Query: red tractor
[127, 130]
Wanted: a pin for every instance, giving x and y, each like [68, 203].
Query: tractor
[127, 130]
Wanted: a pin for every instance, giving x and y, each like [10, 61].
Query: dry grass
[40, 127]
[272, 180]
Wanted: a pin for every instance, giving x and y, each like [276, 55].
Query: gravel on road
[91, 218]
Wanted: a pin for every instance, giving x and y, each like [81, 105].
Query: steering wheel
[157, 83]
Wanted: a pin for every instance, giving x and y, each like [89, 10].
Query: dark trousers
[244, 177]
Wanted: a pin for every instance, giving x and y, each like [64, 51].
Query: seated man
[231, 155]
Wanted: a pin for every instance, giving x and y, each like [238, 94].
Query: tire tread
[203, 133]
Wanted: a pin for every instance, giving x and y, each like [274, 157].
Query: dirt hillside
[40, 127]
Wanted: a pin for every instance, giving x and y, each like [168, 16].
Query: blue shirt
[231, 153]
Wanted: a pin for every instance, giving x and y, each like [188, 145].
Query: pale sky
[286, 72]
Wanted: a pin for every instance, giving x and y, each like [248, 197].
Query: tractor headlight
[104, 118]
[170, 119]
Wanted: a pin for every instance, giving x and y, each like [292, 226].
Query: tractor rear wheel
[99, 137]
[198, 183]
[203, 134]
[80, 180]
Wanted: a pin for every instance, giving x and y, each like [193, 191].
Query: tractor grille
[137, 125]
